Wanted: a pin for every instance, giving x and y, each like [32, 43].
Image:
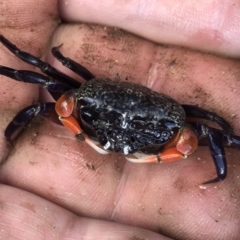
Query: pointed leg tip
[10, 142]
[56, 48]
[210, 182]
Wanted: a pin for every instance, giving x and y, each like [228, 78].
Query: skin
[54, 187]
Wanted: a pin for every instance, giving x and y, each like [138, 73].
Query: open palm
[55, 187]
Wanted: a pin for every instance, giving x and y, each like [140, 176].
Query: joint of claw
[80, 136]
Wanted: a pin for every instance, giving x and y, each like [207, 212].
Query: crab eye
[165, 135]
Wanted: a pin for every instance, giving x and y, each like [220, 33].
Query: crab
[116, 116]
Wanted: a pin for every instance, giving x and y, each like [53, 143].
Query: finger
[27, 216]
[206, 25]
[163, 198]
[38, 21]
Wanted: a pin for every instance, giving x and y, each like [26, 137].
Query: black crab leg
[71, 64]
[196, 112]
[46, 110]
[217, 139]
[55, 88]
[43, 66]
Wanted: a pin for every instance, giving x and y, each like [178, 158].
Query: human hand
[48, 165]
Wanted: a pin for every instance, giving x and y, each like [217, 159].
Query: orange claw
[167, 155]
[183, 144]
[187, 142]
[65, 105]
[71, 124]
[171, 155]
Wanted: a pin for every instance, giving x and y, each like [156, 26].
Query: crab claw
[95, 146]
[167, 155]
